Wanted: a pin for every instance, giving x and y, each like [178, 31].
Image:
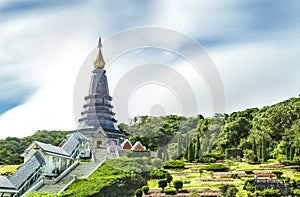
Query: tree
[159, 153]
[254, 147]
[249, 155]
[178, 184]
[162, 183]
[138, 193]
[179, 146]
[169, 178]
[166, 155]
[191, 153]
[145, 189]
[197, 147]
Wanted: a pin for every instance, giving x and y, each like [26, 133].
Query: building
[44, 163]
[97, 123]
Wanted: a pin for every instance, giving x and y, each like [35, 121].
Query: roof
[137, 144]
[49, 148]
[5, 183]
[125, 142]
[26, 170]
[71, 143]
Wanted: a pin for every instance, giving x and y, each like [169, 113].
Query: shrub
[228, 190]
[217, 168]
[158, 174]
[296, 160]
[169, 178]
[248, 171]
[170, 191]
[207, 160]
[296, 192]
[235, 176]
[178, 184]
[138, 193]
[233, 152]
[162, 183]
[217, 156]
[136, 153]
[286, 162]
[271, 193]
[248, 182]
[277, 173]
[156, 162]
[173, 164]
[145, 189]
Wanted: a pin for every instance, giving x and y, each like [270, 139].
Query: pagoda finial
[99, 61]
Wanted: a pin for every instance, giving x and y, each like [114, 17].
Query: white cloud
[45, 48]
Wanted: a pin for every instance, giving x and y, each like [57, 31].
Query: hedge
[233, 152]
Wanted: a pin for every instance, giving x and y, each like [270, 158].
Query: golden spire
[99, 62]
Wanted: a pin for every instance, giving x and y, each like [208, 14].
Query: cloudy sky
[254, 46]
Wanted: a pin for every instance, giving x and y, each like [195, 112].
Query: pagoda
[97, 122]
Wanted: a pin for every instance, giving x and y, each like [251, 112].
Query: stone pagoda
[97, 122]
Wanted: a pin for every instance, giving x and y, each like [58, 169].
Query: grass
[191, 176]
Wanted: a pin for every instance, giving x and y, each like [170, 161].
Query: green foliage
[172, 164]
[138, 193]
[217, 156]
[116, 177]
[158, 174]
[137, 153]
[170, 191]
[178, 184]
[206, 160]
[271, 193]
[169, 178]
[145, 189]
[156, 162]
[277, 173]
[227, 190]
[296, 192]
[11, 148]
[233, 152]
[162, 183]
[248, 171]
[217, 168]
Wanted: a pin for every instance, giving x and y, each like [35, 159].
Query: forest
[271, 132]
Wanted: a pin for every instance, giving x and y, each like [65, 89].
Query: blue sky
[254, 46]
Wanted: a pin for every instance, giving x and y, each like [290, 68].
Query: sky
[252, 46]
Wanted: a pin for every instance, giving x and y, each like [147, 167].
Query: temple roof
[5, 183]
[27, 170]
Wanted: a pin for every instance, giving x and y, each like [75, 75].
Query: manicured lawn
[192, 180]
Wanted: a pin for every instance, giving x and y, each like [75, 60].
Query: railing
[74, 165]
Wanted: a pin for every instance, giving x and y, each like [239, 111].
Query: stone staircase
[83, 170]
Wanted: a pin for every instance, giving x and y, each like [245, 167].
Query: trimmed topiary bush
[172, 164]
[138, 193]
[158, 174]
[233, 152]
[277, 173]
[217, 168]
[145, 189]
[248, 171]
[178, 184]
[170, 191]
[162, 183]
